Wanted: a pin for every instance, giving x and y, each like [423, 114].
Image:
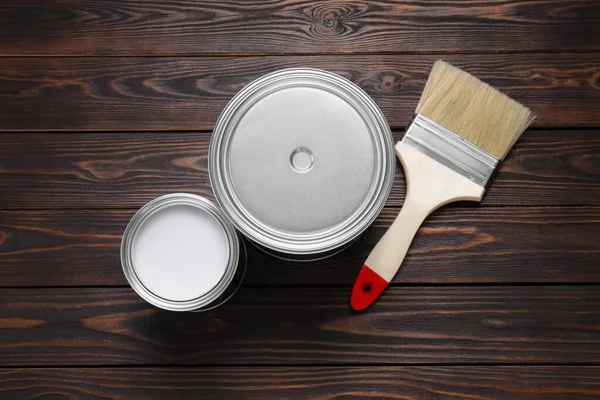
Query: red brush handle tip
[367, 288]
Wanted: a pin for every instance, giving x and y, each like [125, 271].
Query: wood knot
[104, 169]
[388, 82]
[335, 20]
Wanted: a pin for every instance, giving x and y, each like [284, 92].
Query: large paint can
[301, 161]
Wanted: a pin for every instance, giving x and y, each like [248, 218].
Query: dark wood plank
[284, 326]
[162, 93]
[122, 170]
[467, 245]
[295, 26]
[420, 383]
[456, 245]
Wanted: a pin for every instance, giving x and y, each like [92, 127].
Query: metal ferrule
[450, 150]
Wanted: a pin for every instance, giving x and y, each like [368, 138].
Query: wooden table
[107, 104]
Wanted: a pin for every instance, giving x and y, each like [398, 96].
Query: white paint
[180, 253]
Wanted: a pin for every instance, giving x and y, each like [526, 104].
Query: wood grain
[300, 326]
[120, 170]
[419, 383]
[107, 104]
[295, 26]
[456, 245]
[170, 93]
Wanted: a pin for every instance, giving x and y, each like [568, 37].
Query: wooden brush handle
[430, 186]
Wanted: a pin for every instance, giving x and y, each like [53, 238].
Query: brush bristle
[473, 110]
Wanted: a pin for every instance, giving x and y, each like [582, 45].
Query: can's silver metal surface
[158, 286]
[302, 161]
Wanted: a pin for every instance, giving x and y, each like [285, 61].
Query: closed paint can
[179, 252]
[301, 161]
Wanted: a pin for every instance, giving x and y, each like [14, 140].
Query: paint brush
[461, 131]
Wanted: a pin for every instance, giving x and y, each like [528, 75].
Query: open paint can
[301, 161]
[180, 253]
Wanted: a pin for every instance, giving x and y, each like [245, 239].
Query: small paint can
[301, 161]
[179, 252]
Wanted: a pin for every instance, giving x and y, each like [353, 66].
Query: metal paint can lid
[301, 161]
[179, 252]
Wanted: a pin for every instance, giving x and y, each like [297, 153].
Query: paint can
[179, 252]
[301, 161]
